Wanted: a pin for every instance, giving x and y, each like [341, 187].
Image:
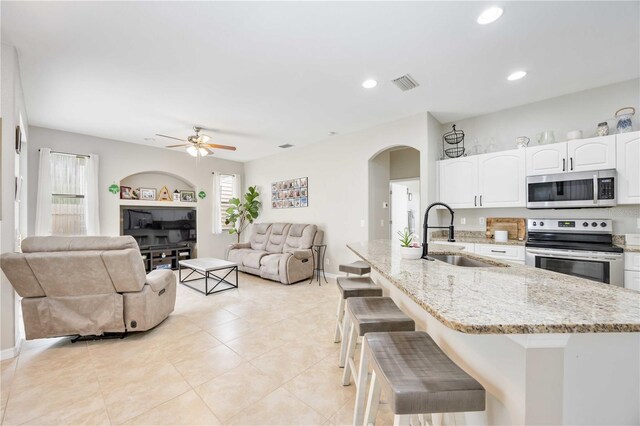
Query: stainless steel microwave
[572, 190]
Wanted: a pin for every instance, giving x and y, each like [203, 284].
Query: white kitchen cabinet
[501, 179]
[632, 270]
[506, 252]
[546, 159]
[632, 280]
[459, 182]
[585, 155]
[628, 157]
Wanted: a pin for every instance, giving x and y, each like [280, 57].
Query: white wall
[12, 106]
[404, 163]
[576, 111]
[338, 171]
[379, 175]
[119, 160]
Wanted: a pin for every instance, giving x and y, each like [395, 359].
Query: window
[226, 190]
[68, 194]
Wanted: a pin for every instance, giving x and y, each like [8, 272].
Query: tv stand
[165, 256]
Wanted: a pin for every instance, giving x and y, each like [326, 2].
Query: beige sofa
[87, 286]
[278, 251]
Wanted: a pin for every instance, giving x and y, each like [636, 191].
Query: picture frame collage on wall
[290, 194]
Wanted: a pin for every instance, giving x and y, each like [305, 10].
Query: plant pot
[411, 252]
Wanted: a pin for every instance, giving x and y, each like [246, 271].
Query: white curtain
[217, 204]
[92, 202]
[43, 200]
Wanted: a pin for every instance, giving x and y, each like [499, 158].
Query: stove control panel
[580, 225]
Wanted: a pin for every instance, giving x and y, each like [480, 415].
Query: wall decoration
[135, 194]
[292, 193]
[125, 193]
[176, 195]
[114, 188]
[148, 194]
[164, 194]
[188, 196]
[202, 194]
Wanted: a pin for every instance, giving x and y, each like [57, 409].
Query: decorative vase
[624, 123]
[411, 252]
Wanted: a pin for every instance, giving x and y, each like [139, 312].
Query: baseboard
[11, 352]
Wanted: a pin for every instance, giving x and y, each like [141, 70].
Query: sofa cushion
[49, 244]
[270, 263]
[300, 237]
[279, 232]
[252, 258]
[260, 235]
[236, 255]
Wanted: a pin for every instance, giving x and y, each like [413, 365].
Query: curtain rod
[69, 153]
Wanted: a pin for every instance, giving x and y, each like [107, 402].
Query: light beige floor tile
[204, 366]
[7, 368]
[186, 409]
[279, 408]
[189, 346]
[232, 330]
[286, 362]
[211, 318]
[236, 391]
[320, 388]
[344, 416]
[255, 344]
[88, 411]
[135, 393]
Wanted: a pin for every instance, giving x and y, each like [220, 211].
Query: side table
[319, 251]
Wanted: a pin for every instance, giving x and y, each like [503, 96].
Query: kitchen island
[549, 348]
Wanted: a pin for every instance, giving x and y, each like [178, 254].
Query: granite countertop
[474, 237]
[629, 249]
[515, 299]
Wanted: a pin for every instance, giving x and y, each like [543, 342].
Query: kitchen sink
[457, 260]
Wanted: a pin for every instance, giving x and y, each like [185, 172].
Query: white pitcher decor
[409, 247]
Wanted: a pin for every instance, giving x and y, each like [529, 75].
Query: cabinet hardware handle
[498, 251]
[481, 201]
[475, 201]
[571, 162]
[564, 163]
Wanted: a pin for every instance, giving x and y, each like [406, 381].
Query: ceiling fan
[197, 145]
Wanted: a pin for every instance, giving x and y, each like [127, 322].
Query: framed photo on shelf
[188, 196]
[148, 194]
[125, 192]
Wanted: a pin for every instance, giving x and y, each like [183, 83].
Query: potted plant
[240, 215]
[409, 247]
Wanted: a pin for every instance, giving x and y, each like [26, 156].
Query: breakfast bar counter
[548, 348]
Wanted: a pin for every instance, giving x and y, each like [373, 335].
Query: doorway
[404, 206]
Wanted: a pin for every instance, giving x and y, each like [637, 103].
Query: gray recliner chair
[87, 286]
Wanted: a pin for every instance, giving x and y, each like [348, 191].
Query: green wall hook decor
[202, 194]
[114, 189]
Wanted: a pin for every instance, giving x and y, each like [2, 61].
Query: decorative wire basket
[454, 137]
[456, 152]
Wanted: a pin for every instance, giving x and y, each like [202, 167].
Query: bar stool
[417, 378]
[352, 287]
[369, 315]
[358, 268]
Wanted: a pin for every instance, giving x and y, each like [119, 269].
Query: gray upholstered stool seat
[358, 267]
[368, 315]
[352, 287]
[416, 376]
[358, 287]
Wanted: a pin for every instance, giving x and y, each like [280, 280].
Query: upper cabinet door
[459, 182]
[501, 177]
[628, 180]
[547, 159]
[585, 155]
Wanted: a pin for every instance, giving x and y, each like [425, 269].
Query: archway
[394, 192]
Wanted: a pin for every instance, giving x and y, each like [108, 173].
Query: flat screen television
[160, 226]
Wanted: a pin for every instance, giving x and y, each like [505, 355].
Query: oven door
[603, 267]
[572, 190]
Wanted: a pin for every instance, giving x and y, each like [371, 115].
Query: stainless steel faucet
[425, 245]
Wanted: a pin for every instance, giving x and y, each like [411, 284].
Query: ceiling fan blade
[213, 145]
[170, 137]
[177, 146]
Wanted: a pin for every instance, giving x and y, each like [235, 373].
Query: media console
[166, 256]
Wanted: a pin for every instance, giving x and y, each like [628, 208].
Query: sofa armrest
[239, 246]
[302, 254]
[160, 279]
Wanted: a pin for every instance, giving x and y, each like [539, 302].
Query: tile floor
[259, 355]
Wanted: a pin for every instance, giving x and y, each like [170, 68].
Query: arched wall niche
[157, 179]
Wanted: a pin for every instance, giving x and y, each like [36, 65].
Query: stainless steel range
[580, 247]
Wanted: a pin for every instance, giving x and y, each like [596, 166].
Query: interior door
[459, 182]
[585, 155]
[546, 159]
[399, 209]
[501, 177]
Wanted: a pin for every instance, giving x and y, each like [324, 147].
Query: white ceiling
[265, 74]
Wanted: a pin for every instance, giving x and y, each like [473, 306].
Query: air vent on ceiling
[406, 82]
[285, 146]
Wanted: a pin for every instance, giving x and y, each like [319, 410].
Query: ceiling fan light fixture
[192, 151]
[204, 138]
[203, 152]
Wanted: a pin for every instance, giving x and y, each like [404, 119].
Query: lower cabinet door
[632, 280]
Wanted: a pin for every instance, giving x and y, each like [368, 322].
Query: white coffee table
[205, 267]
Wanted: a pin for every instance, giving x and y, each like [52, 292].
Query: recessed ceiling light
[369, 84]
[490, 15]
[516, 75]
